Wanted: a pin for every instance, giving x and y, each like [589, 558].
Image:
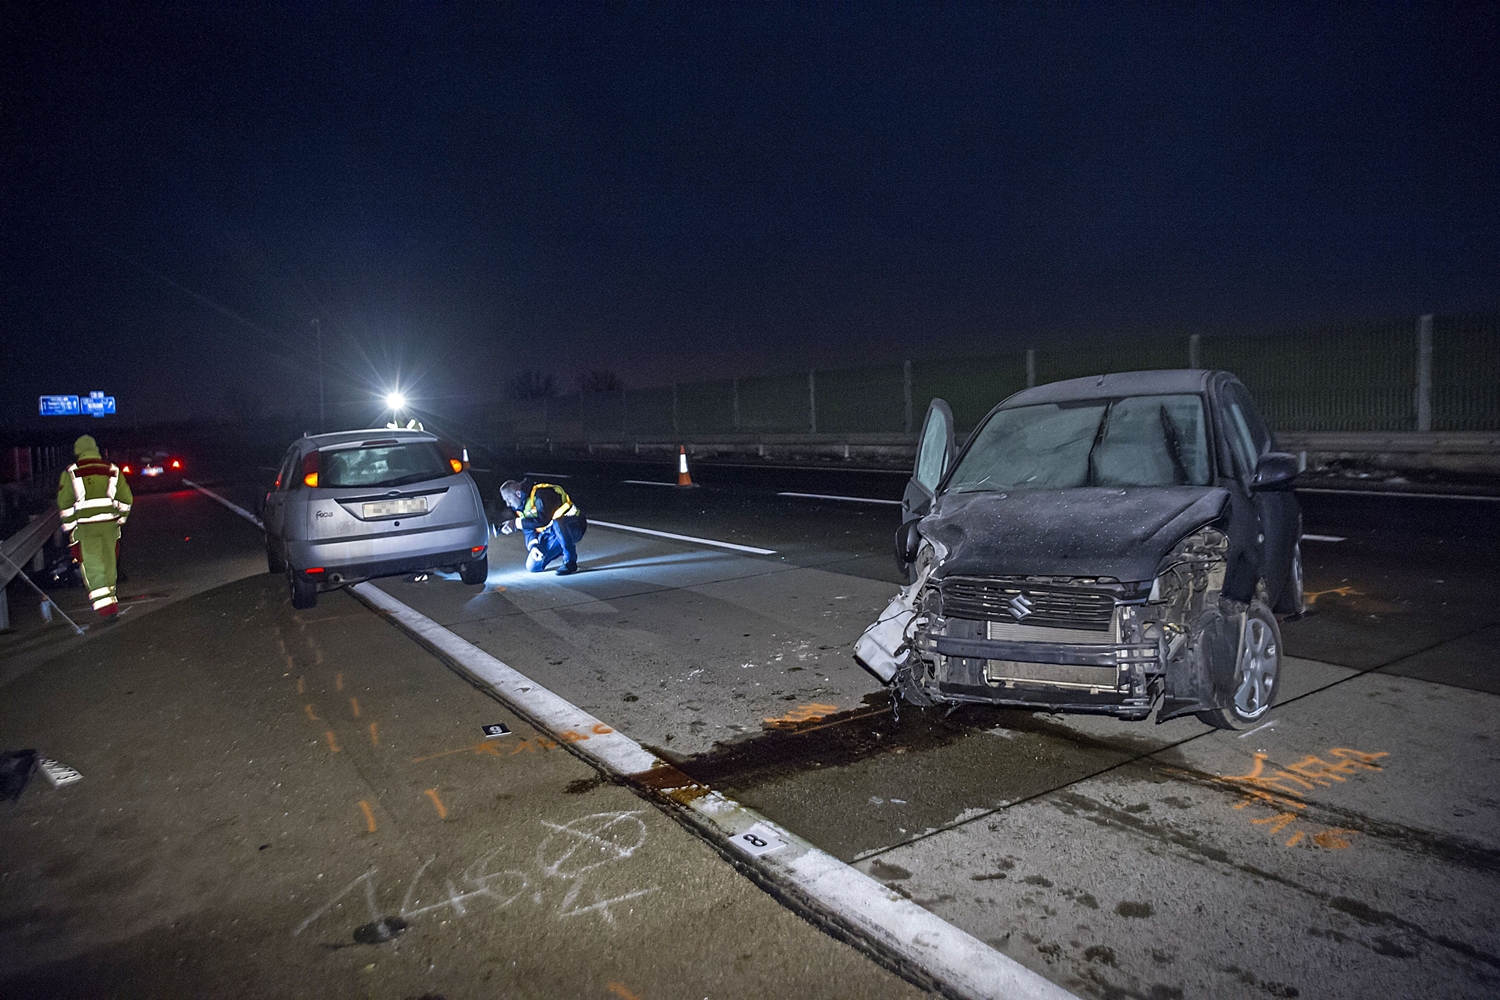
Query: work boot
[565, 570]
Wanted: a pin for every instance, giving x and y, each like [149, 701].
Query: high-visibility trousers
[96, 547]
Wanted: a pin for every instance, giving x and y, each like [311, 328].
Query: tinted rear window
[389, 465]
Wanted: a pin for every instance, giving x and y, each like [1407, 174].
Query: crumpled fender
[1200, 676]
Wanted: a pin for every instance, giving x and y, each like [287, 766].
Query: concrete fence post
[1424, 372]
[1030, 367]
[675, 427]
[1195, 342]
[734, 385]
[906, 391]
[812, 403]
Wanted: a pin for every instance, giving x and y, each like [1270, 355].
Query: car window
[388, 465]
[1130, 441]
[1239, 425]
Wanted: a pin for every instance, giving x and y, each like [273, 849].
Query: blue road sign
[59, 406]
[97, 404]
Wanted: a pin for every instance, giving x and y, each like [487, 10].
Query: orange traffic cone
[683, 479]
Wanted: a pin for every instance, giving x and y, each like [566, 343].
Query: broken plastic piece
[57, 775]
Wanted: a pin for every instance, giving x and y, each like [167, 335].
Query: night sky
[678, 191]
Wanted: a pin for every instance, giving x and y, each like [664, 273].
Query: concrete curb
[905, 937]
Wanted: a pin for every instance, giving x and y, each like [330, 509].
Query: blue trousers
[560, 538]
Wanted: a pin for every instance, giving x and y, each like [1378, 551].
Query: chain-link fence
[1356, 377]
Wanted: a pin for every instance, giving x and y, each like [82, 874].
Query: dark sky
[674, 191]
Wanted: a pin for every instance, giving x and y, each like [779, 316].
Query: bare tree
[599, 380]
[531, 384]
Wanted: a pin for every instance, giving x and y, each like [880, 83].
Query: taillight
[455, 465]
[125, 469]
[176, 463]
[310, 469]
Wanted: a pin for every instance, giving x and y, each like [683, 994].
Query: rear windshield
[388, 465]
[1132, 441]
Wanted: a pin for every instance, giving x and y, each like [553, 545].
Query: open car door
[934, 455]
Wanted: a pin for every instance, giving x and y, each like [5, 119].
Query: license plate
[152, 470]
[389, 508]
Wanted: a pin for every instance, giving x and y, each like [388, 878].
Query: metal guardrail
[20, 547]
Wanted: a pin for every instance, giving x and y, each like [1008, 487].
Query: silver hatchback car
[356, 505]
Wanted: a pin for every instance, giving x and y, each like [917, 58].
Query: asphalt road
[1347, 847]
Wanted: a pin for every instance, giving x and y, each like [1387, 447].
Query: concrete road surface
[1346, 848]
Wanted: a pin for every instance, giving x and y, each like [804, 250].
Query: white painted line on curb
[1393, 493]
[684, 538]
[896, 925]
[646, 482]
[1324, 538]
[242, 512]
[828, 496]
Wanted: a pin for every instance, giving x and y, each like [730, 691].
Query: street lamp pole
[318, 333]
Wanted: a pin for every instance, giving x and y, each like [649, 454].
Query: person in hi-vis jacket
[549, 522]
[95, 501]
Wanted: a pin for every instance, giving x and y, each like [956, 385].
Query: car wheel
[1257, 673]
[304, 592]
[1293, 601]
[274, 562]
[475, 572]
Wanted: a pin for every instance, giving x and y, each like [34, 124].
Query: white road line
[892, 923]
[684, 538]
[242, 512]
[645, 482]
[829, 496]
[1393, 493]
[1264, 725]
[543, 475]
[1324, 538]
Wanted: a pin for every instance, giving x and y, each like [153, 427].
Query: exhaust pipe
[335, 578]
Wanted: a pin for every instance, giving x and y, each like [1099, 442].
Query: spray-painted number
[758, 840]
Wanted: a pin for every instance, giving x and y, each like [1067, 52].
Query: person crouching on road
[95, 501]
[549, 522]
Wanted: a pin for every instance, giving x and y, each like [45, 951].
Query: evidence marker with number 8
[759, 839]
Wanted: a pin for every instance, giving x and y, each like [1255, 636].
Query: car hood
[1091, 531]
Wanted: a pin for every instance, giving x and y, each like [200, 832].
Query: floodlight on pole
[395, 401]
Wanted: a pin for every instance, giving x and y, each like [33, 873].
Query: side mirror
[1276, 470]
[908, 540]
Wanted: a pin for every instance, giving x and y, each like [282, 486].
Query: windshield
[1132, 441]
[391, 465]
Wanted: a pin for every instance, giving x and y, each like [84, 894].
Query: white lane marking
[645, 482]
[684, 538]
[960, 961]
[242, 512]
[544, 475]
[1392, 493]
[1324, 538]
[829, 496]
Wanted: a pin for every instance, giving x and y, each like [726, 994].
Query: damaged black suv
[1109, 544]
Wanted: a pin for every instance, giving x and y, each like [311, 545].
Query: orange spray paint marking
[354, 704]
[437, 803]
[301, 684]
[374, 736]
[619, 990]
[1333, 838]
[333, 743]
[1296, 839]
[802, 713]
[338, 681]
[369, 816]
[1280, 821]
[600, 729]
[311, 714]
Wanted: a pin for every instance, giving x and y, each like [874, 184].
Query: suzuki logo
[1020, 606]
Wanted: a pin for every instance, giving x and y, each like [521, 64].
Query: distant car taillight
[176, 463]
[125, 469]
[310, 469]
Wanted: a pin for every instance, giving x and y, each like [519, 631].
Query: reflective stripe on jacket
[541, 508]
[107, 501]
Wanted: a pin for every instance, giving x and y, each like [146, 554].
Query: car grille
[1054, 607]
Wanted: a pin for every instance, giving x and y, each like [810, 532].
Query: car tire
[1257, 673]
[303, 591]
[476, 571]
[274, 562]
[1293, 600]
